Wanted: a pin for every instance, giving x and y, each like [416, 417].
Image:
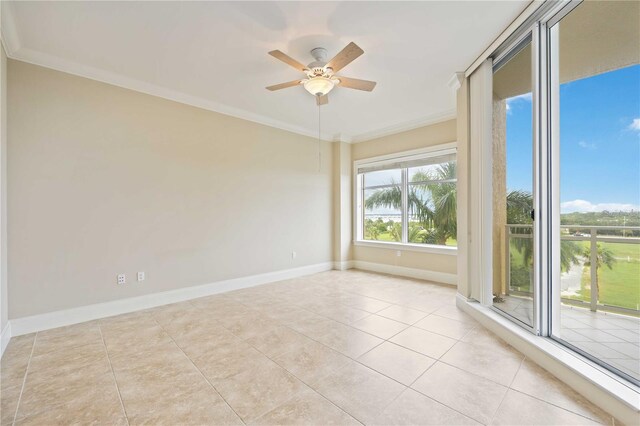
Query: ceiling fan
[321, 78]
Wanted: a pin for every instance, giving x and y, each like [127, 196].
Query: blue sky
[600, 142]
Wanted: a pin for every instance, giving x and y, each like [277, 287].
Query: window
[408, 199]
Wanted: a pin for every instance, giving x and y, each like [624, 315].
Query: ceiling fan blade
[322, 100]
[284, 85]
[354, 83]
[287, 60]
[345, 57]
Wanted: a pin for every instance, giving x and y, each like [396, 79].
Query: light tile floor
[332, 348]
[613, 338]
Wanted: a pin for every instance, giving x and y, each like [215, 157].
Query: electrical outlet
[140, 276]
[293, 255]
[122, 279]
[398, 253]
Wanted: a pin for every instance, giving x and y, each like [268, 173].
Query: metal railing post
[507, 263]
[594, 269]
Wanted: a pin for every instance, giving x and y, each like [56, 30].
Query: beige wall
[103, 180]
[342, 202]
[413, 139]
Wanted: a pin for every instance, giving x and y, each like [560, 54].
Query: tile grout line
[493, 416]
[420, 353]
[330, 348]
[611, 417]
[24, 379]
[290, 372]
[303, 382]
[373, 369]
[113, 374]
[377, 313]
[383, 340]
[389, 341]
[539, 399]
[198, 369]
[429, 368]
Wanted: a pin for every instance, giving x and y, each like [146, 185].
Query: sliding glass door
[565, 179]
[594, 68]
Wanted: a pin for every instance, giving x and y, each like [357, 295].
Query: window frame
[358, 188]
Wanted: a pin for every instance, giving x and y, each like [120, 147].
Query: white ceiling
[214, 54]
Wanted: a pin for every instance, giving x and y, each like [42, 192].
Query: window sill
[613, 394]
[448, 250]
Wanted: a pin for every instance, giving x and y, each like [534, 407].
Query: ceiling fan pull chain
[319, 152]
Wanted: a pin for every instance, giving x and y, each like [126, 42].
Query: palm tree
[432, 203]
[604, 257]
[445, 200]
[519, 206]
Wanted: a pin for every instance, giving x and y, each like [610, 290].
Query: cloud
[583, 206]
[635, 124]
[586, 145]
[524, 97]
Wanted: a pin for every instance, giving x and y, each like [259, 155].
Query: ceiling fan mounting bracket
[319, 54]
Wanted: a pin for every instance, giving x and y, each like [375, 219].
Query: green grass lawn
[620, 285]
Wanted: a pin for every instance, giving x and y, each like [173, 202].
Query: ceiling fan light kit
[319, 86]
[320, 73]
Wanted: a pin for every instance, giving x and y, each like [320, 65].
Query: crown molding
[407, 125]
[92, 73]
[70, 67]
[455, 81]
[14, 50]
[341, 137]
[8, 32]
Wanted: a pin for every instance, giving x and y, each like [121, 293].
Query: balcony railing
[613, 286]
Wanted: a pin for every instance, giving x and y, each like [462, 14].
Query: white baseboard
[26, 325]
[592, 381]
[55, 319]
[5, 336]
[421, 274]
